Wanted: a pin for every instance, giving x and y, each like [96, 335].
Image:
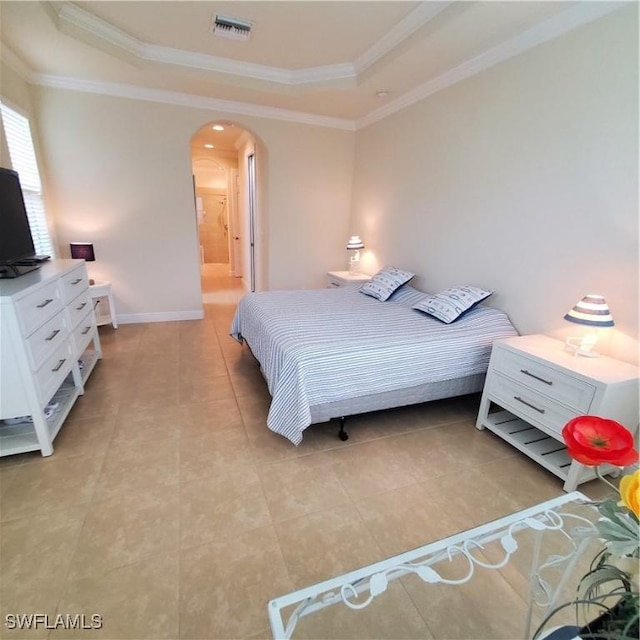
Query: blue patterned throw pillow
[450, 304]
[385, 282]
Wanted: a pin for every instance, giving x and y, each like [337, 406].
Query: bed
[332, 353]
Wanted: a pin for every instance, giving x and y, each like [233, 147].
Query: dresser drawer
[530, 405]
[554, 383]
[74, 283]
[78, 309]
[83, 334]
[45, 340]
[36, 308]
[53, 372]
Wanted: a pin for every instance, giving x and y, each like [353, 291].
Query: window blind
[23, 160]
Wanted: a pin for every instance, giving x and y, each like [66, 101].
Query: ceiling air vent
[233, 28]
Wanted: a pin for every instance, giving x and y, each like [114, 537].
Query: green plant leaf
[622, 547]
[616, 531]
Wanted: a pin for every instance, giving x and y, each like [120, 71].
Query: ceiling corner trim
[79, 23]
[568, 20]
[189, 100]
[416, 19]
[179, 57]
[71, 19]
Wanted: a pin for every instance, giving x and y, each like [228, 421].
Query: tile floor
[172, 511]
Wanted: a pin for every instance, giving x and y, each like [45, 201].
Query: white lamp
[355, 244]
[592, 311]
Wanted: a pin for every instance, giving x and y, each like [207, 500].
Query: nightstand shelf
[543, 448]
[534, 387]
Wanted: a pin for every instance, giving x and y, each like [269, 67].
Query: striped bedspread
[323, 345]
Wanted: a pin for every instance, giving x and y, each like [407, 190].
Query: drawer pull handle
[59, 365]
[45, 303]
[77, 281]
[533, 375]
[81, 307]
[53, 335]
[87, 329]
[519, 399]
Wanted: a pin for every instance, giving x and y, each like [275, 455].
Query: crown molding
[82, 24]
[190, 100]
[572, 18]
[181, 58]
[70, 17]
[421, 15]
[79, 23]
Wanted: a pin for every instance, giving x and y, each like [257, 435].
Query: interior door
[235, 233]
[251, 172]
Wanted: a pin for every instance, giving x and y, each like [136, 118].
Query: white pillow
[385, 282]
[450, 304]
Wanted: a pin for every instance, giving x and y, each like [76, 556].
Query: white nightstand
[100, 292]
[346, 278]
[534, 387]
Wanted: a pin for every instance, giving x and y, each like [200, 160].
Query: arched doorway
[224, 195]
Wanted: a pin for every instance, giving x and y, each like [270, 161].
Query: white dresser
[534, 387]
[49, 345]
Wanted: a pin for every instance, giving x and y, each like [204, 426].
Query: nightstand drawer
[530, 404]
[554, 383]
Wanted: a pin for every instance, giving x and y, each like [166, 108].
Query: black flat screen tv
[17, 252]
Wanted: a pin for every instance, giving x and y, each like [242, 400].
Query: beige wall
[120, 175]
[308, 237]
[523, 179]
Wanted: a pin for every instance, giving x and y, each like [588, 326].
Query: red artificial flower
[592, 441]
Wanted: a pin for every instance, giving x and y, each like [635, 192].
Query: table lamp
[83, 251]
[591, 311]
[355, 244]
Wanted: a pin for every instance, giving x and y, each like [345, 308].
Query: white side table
[345, 278]
[536, 387]
[100, 291]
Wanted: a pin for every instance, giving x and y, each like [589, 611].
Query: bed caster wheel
[343, 436]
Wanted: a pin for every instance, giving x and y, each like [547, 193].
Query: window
[23, 160]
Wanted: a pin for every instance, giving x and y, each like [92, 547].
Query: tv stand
[17, 269]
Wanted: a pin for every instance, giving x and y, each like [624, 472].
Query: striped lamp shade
[592, 310]
[355, 243]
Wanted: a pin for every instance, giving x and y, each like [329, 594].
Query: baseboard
[160, 316]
